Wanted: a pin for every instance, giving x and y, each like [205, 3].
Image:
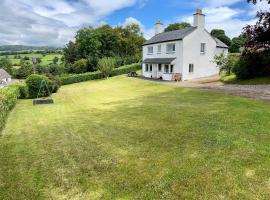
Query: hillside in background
[26, 48]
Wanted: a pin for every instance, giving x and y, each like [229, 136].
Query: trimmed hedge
[76, 78]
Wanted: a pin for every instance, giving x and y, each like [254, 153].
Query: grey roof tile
[170, 36]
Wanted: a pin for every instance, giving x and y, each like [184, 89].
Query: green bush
[253, 65]
[106, 65]
[76, 78]
[80, 66]
[33, 83]
[8, 99]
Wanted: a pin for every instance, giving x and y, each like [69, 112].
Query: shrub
[6, 64]
[33, 83]
[25, 70]
[79, 66]
[106, 65]
[8, 99]
[253, 64]
[55, 69]
[76, 78]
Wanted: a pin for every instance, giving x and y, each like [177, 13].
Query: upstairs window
[203, 45]
[166, 69]
[159, 49]
[150, 50]
[191, 68]
[170, 48]
[159, 67]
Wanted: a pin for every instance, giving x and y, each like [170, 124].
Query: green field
[126, 138]
[47, 59]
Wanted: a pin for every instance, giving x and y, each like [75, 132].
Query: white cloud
[51, 22]
[147, 33]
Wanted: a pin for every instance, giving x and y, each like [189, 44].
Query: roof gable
[170, 36]
[220, 43]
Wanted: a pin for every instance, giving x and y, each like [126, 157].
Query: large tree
[177, 26]
[70, 53]
[237, 43]
[220, 34]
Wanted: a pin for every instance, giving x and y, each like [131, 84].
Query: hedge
[8, 99]
[76, 78]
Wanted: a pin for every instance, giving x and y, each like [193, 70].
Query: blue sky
[55, 22]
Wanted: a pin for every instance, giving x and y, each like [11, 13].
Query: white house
[4, 77]
[182, 54]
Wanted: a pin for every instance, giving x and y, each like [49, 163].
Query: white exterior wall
[203, 62]
[178, 55]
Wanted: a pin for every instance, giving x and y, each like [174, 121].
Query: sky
[55, 22]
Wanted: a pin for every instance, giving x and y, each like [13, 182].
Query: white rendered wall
[177, 62]
[203, 62]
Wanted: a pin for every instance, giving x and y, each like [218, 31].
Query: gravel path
[251, 91]
[213, 84]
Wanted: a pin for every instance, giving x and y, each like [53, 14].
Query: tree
[226, 63]
[177, 26]
[6, 64]
[70, 53]
[38, 59]
[55, 60]
[220, 34]
[89, 46]
[237, 43]
[106, 65]
[80, 66]
[256, 1]
[25, 70]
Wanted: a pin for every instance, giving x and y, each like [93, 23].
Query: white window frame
[203, 48]
[160, 69]
[191, 66]
[172, 50]
[159, 49]
[148, 50]
[165, 70]
[146, 67]
[171, 68]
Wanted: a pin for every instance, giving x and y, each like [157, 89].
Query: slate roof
[4, 74]
[170, 36]
[220, 43]
[177, 35]
[158, 60]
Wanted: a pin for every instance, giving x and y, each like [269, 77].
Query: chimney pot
[199, 11]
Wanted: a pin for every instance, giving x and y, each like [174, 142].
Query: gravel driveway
[213, 84]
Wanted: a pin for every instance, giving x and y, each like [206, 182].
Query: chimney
[159, 27]
[199, 19]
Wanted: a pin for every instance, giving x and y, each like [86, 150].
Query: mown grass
[256, 81]
[47, 59]
[126, 138]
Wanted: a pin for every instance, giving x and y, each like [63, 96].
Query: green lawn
[47, 59]
[256, 81]
[125, 138]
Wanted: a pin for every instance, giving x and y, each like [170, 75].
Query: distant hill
[26, 48]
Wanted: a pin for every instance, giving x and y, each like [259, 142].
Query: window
[151, 67]
[171, 69]
[146, 68]
[150, 50]
[191, 68]
[170, 48]
[159, 49]
[159, 67]
[166, 69]
[203, 47]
